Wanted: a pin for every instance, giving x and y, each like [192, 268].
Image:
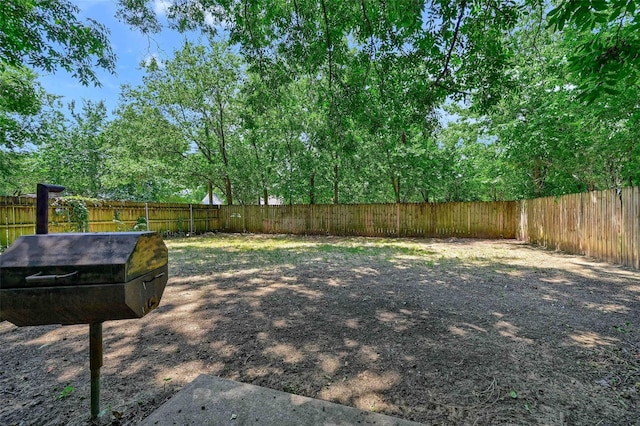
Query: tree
[197, 93]
[144, 160]
[547, 140]
[75, 153]
[407, 56]
[312, 35]
[20, 96]
[44, 35]
[26, 117]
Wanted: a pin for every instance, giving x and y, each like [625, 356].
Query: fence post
[6, 221]
[191, 231]
[146, 215]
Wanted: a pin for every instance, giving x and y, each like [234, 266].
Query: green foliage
[194, 95]
[606, 36]
[141, 224]
[72, 213]
[545, 140]
[75, 152]
[20, 135]
[47, 35]
[19, 92]
[339, 102]
[624, 328]
[20, 97]
[65, 392]
[44, 35]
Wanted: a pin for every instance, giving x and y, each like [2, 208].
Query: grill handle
[39, 278]
[154, 278]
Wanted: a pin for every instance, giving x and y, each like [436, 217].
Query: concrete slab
[214, 401]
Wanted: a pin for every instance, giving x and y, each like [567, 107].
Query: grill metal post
[95, 362]
[42, 206]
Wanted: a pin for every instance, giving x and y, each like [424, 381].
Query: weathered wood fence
[18, 216]
[601, 224]
[472, 219]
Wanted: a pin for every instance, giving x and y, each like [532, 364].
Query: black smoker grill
[81, 278]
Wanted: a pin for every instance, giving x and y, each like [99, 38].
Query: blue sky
[131, 48]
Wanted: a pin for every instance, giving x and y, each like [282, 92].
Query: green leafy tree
[40, 35]
[75, 153]
[396, 61]
[197, 93]
[547, 140]
[144, 159]
[20, 100]
[47, 35]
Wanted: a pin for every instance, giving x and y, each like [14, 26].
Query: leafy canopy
[606, 34]
[47, 35]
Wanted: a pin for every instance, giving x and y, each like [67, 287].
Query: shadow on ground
[448, 332]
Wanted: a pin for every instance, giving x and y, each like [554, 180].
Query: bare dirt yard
[436, 331]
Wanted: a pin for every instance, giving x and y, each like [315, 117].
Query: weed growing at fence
[72, 213]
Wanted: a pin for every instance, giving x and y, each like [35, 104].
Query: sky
[131, 48]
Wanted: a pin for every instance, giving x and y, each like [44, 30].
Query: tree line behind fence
[601, 224]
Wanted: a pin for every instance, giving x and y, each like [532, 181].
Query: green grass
[233, 252]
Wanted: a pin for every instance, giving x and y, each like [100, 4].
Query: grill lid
[80, 258]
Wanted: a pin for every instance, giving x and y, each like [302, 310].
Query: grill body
[82, 278]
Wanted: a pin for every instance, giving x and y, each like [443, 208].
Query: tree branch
[454, 40]
[329, 49]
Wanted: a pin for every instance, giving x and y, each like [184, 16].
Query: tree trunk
[312, 189]
[210, 191]
[227, 190]
[538, 179]
[335, 183]
[395, 181]
[265, 196]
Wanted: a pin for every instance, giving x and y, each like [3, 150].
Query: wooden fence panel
[601, 224]
[474, 220]
[18, 216]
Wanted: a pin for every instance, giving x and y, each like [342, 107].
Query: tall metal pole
[95, 362]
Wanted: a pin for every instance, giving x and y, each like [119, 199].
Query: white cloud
[161, 7]
[209, 19]
[151, 58]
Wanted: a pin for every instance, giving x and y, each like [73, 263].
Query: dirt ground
[437, 331]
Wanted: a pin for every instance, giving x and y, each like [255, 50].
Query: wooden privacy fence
[471, 219]
[601, 224]
[18, 216]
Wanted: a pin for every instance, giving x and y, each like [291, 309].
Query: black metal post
[95, 362]
[42, 206]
